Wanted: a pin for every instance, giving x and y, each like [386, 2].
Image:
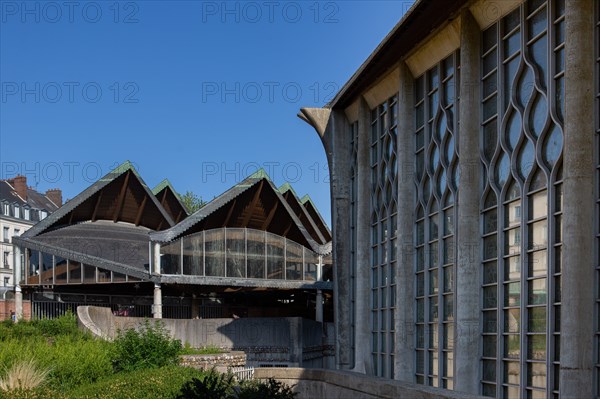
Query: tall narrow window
[384, 194]
[436, 182]
[523, 105]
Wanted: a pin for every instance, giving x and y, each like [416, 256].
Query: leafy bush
[272, 389]
[206, 350]
[224, 386]
[149, 347]
[23, 375]
[210, 386]
[62, 326]
[161, 383]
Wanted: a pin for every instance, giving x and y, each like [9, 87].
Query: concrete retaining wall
[290, 341]
[334, 384]
[220, 361]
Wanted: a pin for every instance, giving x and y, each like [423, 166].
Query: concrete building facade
[464, 156]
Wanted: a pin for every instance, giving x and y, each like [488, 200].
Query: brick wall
[6, 305]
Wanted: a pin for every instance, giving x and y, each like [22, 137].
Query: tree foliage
[192, 201]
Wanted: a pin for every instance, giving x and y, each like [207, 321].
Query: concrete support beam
[404, 367]
[577, 328]
[157, 305]
[319, 306]
[466, 352]
[155, 269]
[333, 130]
[362, 338]
[17, 262]
[337, 135]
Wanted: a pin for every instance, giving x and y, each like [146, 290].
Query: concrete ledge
[220, 360]
[320, 383]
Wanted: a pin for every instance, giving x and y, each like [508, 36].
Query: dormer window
[26, 214]
[6, 209]
[17, 211]
[43, 215]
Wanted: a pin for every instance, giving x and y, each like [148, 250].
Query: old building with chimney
[20, 208]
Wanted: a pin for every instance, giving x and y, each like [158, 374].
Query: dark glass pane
[490, 323]
[536, 347]
[489, 350]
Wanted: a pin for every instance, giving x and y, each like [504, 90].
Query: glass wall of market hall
[468, 183]
[243, 253]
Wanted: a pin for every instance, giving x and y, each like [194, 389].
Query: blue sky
[202, 93]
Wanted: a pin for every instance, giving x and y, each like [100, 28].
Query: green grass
[136, 365]
[206, 350]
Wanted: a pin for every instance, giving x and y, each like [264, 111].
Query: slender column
[467, 333]
[17, 265]
[319, 306]
[155, 258]
[577, 307]
[404, 368]
[363, 358]
[320, 268]
[157, 306]
[340, 192]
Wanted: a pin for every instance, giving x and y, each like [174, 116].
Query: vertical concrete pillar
[577, 328]
[340, 191]
[363, 359]
[467, 333]
[319, 306]
[157, 306]
[320, 268]
[17, 265]
[333, 129]
[155, 269]
[404, 364]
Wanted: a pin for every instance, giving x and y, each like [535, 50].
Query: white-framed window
[6, 234]
[17, 211]
[43, 215]
[26, 215]
[6, 209]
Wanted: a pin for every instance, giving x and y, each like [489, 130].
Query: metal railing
[243, 373]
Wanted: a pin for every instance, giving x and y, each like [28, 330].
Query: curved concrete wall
[292, 341]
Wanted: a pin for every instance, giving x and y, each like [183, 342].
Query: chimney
[20, 185]
[55, 195]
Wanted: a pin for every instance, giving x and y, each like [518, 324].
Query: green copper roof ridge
[162, 185]
[259, 174]
[286, 187]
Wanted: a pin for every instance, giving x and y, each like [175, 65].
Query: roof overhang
[419, 21]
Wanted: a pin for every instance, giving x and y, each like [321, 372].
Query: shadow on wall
[269, 341]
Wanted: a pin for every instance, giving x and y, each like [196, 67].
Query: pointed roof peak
[259, 174]
[162, 185]
[285, 187]
[306, 199]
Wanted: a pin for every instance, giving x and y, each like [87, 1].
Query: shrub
[161, 383]
[205, 350]
[210, 386]
[149, 347]
[65, 325]
[272, 389]
[224, 386]
[23, 375]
